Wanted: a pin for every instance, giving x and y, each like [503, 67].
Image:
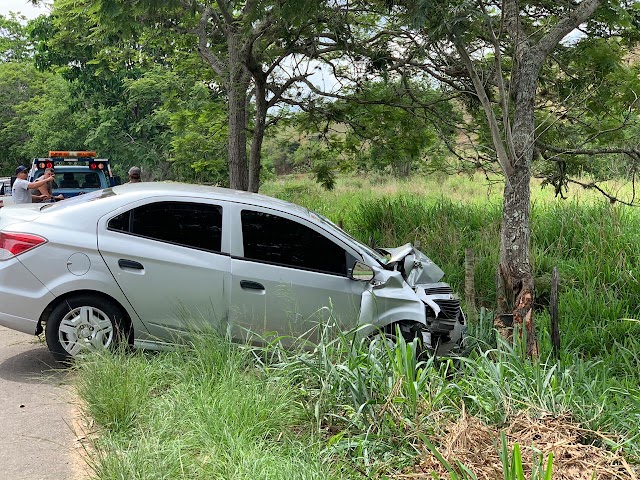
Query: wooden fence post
[469, 285]
[553, 310]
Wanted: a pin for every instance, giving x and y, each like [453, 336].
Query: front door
[290, 278]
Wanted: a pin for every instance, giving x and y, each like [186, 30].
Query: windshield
[382, 260]
[86, 197]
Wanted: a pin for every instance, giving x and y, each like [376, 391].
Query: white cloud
[23, 7]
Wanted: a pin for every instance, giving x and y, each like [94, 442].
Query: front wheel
[386, 339]
[83, 323]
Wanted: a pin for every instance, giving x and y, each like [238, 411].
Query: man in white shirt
[21, 186]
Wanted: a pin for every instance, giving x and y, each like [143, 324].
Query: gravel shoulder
[38, 415]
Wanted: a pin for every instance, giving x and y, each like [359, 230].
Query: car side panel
[21, 297]
[59, 265]
[293, 302]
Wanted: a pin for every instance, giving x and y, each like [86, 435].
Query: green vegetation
[347, 410]
[195, 413]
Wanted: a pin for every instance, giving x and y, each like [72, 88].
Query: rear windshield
[86, 197]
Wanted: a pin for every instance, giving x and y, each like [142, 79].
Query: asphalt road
[38, 417]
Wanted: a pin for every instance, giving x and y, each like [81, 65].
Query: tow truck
[77, 172]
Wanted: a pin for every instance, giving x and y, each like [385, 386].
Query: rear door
[289, 276]
[169, 258]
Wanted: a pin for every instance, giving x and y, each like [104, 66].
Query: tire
[83, 323]
[388, 336]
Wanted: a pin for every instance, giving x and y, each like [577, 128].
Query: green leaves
[385, 126]
[14, 42]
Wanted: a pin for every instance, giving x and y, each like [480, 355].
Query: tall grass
[200, 412]
[346, 409]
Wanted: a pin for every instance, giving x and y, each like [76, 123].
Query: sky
[21, 6]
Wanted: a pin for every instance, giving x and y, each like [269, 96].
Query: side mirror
[361, 272]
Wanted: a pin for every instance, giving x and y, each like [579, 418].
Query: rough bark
[237, 87]
[515, 262]
[259, 128]
[515, 234]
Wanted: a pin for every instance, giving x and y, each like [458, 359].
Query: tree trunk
[237, 88]
[515, 264]
[515, 234]
[258, 133]
[514, 147]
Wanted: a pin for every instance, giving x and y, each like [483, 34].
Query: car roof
[178, 189]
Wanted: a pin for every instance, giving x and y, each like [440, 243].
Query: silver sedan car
[150, 263]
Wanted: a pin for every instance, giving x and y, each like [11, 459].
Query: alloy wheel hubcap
[85, 328]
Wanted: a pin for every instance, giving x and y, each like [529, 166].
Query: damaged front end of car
[408, 294]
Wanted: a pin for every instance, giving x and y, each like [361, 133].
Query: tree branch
[503, 158]
[612, 198]
[223, 5]
[631, 152]
[217, 65]
[565, 26]
[502, 91]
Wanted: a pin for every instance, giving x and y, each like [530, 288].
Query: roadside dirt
[38, 415]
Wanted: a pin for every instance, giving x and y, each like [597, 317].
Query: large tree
[255, 50]
[498, 50]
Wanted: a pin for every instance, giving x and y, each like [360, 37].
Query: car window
[195, 225]
[274, 239]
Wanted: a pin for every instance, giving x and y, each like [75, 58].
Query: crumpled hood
[419, 268]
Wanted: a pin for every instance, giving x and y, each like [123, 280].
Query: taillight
[14, 244]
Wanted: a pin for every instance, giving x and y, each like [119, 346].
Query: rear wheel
[83, 323]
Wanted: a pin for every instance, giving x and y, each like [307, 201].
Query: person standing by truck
[134, 175]
[21, 186]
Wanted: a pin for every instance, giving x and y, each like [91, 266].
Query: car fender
[106, 288]
[389, 300]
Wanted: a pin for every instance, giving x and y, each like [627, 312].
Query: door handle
[122, 263]
[249, 285]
